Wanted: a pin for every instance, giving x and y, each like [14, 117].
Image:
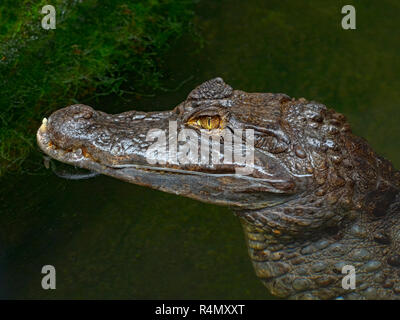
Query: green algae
[95, 46]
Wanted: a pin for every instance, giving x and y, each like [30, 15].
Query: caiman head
[308, 182]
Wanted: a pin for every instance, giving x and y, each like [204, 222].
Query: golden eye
[206, 122]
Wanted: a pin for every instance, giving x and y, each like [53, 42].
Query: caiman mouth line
[190, 172]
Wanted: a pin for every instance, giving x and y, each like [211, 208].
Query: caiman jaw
[115, 145]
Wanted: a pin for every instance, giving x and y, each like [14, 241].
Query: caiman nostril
[87, 114]
[83, 112]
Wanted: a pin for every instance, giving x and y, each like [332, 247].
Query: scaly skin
[318, 197]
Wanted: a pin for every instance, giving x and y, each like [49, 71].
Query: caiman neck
[309, 265]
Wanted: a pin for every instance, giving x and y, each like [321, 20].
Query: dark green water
[109, 239]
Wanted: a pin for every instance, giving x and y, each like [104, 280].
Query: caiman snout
[106, 139]
[65, 124]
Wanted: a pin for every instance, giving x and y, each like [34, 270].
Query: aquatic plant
[95, 47]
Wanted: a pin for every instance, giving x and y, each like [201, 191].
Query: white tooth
[43, 127]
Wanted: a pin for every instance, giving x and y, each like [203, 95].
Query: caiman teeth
[43, 127]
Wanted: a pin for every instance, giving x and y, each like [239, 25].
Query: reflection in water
[67, 172]
[109, 239]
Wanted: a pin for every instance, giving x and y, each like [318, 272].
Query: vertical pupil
[207, 122]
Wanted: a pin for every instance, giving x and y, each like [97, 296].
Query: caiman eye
[206, 122]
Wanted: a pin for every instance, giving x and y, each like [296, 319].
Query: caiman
[319, 201]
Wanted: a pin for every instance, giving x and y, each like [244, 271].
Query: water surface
[109, 239]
